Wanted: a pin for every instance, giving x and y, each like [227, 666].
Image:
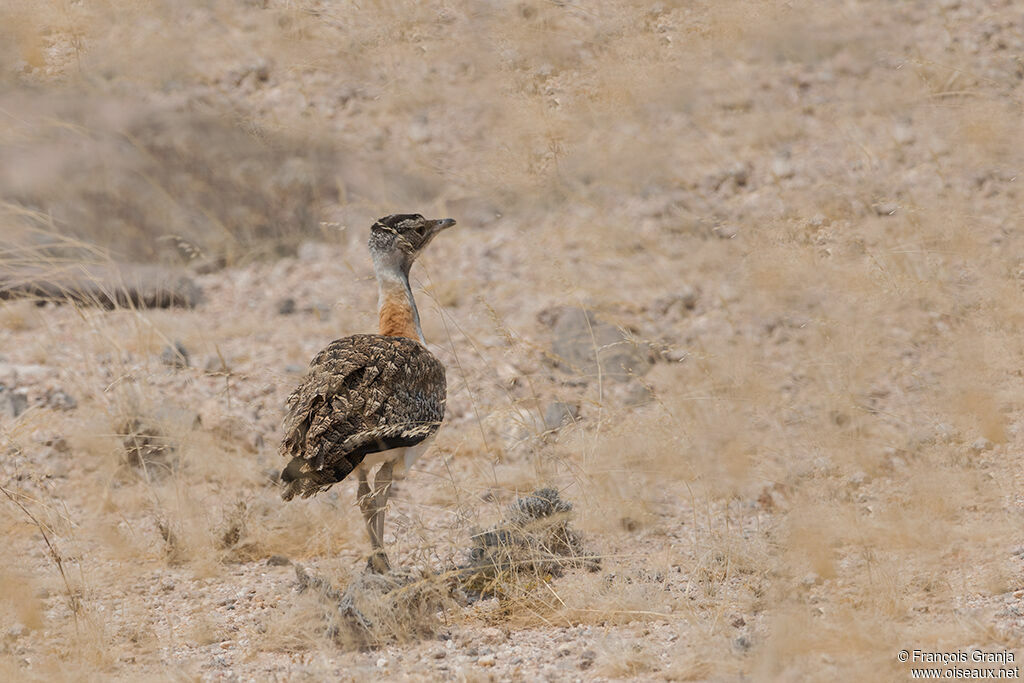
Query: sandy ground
[796, 228]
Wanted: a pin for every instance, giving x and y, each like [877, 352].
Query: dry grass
[805, 217]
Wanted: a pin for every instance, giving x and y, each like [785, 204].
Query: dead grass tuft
[146, 447]
[379, 609]
[532, 544]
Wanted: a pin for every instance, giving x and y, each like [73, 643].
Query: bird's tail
[300, 479]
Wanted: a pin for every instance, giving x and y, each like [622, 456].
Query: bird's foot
[378, 563]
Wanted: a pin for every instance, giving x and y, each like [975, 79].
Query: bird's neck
[396, 308]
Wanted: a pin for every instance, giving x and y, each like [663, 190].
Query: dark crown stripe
[396, 219]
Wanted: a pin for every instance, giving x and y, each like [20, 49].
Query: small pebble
[783, 168]
[59, 399]
[859, 478]
[215, 364]
[688, 295]
[726, 232]
[903, 134]
[58, 443]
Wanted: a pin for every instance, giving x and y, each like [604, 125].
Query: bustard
[370, 399]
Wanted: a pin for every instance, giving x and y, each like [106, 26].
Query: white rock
[14, 374]
[981, 445]
[726, 232]
[903, 134]
[419, 132]
[783, 168]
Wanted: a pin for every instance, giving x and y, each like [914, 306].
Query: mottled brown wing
[362, 394]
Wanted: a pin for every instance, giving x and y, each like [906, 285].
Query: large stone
[14, 375]
[586, 345]
[559, 413]
[116, 285]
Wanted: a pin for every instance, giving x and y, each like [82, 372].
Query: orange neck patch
[397, 318]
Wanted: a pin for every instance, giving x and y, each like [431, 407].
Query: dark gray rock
[286, 306]
[175, 356]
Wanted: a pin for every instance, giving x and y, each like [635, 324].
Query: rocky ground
[740, 280]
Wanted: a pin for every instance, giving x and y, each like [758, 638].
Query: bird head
[396, 240]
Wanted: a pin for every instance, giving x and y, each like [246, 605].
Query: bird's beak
[433, 228]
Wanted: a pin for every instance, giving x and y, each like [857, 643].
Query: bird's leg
[378, 561]
[381, 491]
[365, 500]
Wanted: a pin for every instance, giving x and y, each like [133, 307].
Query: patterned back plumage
[363, 394]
